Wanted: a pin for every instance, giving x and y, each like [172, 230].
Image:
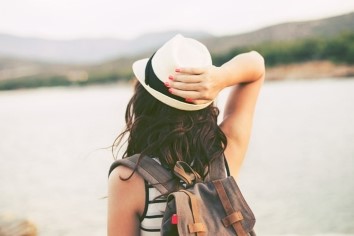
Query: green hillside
[339, 49]
[329, 39]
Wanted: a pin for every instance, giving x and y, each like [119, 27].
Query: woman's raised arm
[245, 74]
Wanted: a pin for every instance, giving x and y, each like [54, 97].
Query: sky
[73, 19]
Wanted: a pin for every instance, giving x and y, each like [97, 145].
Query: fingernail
[167, 84]
[189, 100]
[170, 90]
[170, 77]
[178, 70]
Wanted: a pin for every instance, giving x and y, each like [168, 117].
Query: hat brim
[139, 71]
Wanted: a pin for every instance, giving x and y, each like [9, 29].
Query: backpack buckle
[186, 173]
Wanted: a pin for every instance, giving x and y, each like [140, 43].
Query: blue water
[298, 175]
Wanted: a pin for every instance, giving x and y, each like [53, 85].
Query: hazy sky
[68, 19]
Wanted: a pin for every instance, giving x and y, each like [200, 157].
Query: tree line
[339, 49]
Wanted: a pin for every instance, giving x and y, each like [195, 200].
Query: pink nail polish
[189, 100]
[178, 70]
[170, 90]
[171, 77]
[167, 84]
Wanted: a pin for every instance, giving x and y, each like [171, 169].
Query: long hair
[158, 130]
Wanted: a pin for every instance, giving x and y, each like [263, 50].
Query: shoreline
[309, 70]
[295, 71]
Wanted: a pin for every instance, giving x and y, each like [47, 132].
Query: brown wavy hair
[158, 130]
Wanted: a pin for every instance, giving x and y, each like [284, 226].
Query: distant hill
[31, 62]
[93, 51]
[82, 51]
[328, 27]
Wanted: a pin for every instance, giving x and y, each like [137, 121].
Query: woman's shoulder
[121, 172]
[123, 177]
[127, 187]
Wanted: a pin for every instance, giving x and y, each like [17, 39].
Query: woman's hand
[196, 85]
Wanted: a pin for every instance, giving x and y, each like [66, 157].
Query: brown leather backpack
[212, 207]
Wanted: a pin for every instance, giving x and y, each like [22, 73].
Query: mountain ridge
[326, 27]
[99, 50]
[296, 43]
[83, 51]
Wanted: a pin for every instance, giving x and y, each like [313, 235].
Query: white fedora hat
[176, 53]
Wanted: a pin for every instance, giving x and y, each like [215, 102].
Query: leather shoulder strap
[150, 170]
[218, 169]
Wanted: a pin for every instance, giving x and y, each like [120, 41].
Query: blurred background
[65, 80]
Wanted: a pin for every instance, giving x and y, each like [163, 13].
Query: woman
[171, 117]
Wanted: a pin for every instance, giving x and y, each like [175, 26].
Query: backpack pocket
[210, 208]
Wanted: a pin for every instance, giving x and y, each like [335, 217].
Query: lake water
[298, 176]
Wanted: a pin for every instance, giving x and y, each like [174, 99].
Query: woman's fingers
[186, 78]
[191, 95]
[191, 71]
[183, 86]
[197, 84]
[188, 75]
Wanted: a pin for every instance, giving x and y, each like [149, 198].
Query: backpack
[212, 207]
